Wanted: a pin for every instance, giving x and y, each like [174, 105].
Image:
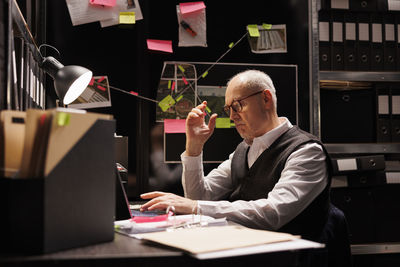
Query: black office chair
[336, 237]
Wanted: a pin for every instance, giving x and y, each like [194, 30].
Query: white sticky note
[347, 164]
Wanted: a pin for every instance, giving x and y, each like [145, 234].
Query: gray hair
[256, 80]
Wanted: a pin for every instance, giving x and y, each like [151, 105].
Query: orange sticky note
[159, 45]
[103, 2]
[174, 126]
[191, 7]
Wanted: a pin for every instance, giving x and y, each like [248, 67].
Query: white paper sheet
[81, 12]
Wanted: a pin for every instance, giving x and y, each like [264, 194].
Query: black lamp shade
[69, 81]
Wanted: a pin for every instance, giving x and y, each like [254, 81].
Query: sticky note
[181, 68]
[101, 88]
[127, 18]
[160, 45]
[174, 126]
[166, 103]
[91, 82]
[133, 93]
[204, 74]
[173, 86]
[63, 119]
[267, 26]
[253, 30]
[184, 80]
[169, 84]
[103, 2]
[223, 123]
[190, 7]
[231, 45]
[208, 109]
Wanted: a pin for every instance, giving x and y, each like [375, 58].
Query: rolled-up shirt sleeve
[303, 178]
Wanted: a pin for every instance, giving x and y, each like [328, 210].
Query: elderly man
[276, 179]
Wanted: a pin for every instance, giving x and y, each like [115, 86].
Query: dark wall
[121, 54]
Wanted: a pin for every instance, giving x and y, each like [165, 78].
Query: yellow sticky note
[204, 74]
[267, 26]
[63, 119]
[127, 18]
[166, 103]
[253, 30]
[223, 123]
[169, 84]
[208, 109]
[231, 45]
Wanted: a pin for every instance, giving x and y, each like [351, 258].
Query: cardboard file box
[74, 205]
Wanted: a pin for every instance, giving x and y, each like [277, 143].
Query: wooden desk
[126, 251]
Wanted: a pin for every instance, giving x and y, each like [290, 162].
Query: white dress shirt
[303, 178]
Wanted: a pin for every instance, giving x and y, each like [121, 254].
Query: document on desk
[133, 229]
[225, 241]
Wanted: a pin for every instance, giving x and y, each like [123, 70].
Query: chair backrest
[336, 237]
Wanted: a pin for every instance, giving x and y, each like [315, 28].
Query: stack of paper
[131, 228]
[203, 240]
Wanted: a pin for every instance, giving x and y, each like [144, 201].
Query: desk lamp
[69, 81]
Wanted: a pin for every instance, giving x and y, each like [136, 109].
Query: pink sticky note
[133, 93]
[173, 86]
[174, 126]
[159, 45]
[184, 80]
[103, 2]
[191, 7]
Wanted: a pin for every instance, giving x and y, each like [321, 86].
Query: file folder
[363, 42]
[389, 43]
[350, 33]
[395, 109]
[383, 127]
[377, 42]
[324, 40]
[12, 132]
[337, 52]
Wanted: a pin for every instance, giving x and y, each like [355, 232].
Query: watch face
[183, 107]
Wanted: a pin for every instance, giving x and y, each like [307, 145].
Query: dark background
[121, 54]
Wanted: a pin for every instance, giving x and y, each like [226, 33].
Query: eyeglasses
[236, 105]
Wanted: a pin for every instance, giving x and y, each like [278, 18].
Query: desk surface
[126, 251]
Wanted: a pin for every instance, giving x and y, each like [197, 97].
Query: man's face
[250, 121]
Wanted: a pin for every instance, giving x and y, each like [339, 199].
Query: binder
[383, 127]
[358, 164]
[324, 40]
[337, 48]
[395, 112]
[377, 42]
[397, 33]
[350, 33]
[389, 43]
[12, 131]
[363, 5]
[363, 42]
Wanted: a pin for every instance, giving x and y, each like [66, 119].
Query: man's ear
[267, 96]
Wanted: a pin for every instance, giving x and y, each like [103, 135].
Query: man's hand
[197, 131]
[161, 201]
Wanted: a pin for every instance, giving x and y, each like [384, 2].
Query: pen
[188, 28]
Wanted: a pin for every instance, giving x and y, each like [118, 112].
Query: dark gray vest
[260, 179]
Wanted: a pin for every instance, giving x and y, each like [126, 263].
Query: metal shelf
[360, 76]
[375, 248]
[363, 148]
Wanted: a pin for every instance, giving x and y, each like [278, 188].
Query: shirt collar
[264, 141]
